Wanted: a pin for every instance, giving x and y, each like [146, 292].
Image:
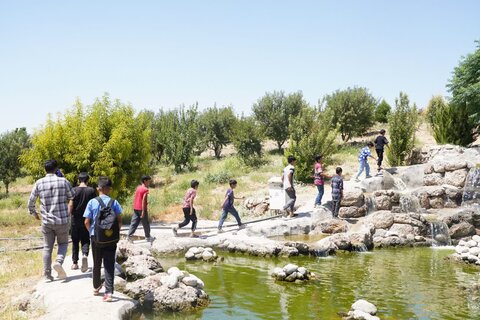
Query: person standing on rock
[318, 181]
[140, 212]
[188, 209]
[337, 191]
[83, 194]
[287, 180]
[380, 143]
[102, 253]
[365, 153]
[228, 206]
[54, 193]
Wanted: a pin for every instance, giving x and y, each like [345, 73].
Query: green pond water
[408, 283]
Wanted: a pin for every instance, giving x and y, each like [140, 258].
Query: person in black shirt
[380, 143]
[83, 194]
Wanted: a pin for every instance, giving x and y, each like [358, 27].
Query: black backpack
[107, 231]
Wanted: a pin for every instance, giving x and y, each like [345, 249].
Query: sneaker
[84, 264]
[220, 231]
[369, 176]
[96, 292]
[74, 266]
[150, 239]
[129, 240]
[107, 297]
[357, 180]
[48, 277]
[242, 226]
[59, 269]
[174, 229]
[193, 235]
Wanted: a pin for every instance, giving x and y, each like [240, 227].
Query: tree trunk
[6, 187]
[279, 145]
[218, 151]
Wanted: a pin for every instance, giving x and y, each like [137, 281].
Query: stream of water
[406, 283]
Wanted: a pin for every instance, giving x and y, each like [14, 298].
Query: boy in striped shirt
[363, 160]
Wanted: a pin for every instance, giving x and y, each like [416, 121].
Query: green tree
[351, 111]
[382, 111]
[310, 134]
[12, 144]
[403, 122]
[450, 123]
[216, 127]
[176, 136]
[274, 110]
[465, 85]
[247, 140]
[104, 139]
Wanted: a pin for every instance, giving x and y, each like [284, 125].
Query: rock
[360, 315]
[353, 198]
[171, 281]
[352, 212]
[142, 266]
[391, 241]
[456, 178]
[424, 200]
[428, 168]
[290, 268]
[287, 251]
[408, 218]
[380, 232]
[182, 299]
[332, 226]
[189, 255]
[323, 247]
[126, 249]
[143, 289]
[22, 302]
[461, 230]
[207, 256]
[462, 242]
[474, 251]
[434, 179]
[383, 202]
[475, 238]
[120, 284]
[461, 249]
[471, 243]
[281, 276]
[472, 259]
[291, 277]
[261, 209]
[303, 271]
[190, 281]
[361, 240]
[365, 306]
[437, 203]
[381, 219]
[419, 239]
[341, 241]
[455, 165]
[439, 166]
[401, 230]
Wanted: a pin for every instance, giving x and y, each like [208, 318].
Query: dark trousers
[80, 235]
[290, 198]
[107, 256]
[380, 156]
[136, 221]
[188, 218]
[335, 207]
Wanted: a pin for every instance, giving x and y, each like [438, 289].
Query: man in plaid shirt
[54, 193]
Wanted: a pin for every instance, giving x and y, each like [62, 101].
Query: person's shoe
[107, 297]
[150, 239]
[59, 269]
[48, 277]
[242, 226]
[357, 180]
[193, 235]
[74, 266]
[84, 264]
[129, 240]
[174, 230]
[369, 176]
[220, 231]
[96, 292]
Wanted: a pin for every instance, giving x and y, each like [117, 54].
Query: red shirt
[139, 193]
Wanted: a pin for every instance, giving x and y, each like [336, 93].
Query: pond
[404, 283]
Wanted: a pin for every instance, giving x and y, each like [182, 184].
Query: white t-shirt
[286, 172]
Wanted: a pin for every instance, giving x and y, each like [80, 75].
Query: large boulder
[461, 230]
[332, 226]
[381, 219]
[138, 267]
[383, 202]
[456, 178]
[401, 230]
[353, 198]
[183, 298]
[126, 249]
[352, 212]
[433, 179]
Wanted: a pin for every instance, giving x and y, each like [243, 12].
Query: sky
[162, 54]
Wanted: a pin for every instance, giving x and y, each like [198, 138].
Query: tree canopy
[12, 144]
[216, 125]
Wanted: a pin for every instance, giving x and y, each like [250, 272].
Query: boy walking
[102, 253]
[83, 194]
[380, 143]
[337, 191]
[140, 210]
[188, 209]
[365, 153]
[287, 180]
[228, 206]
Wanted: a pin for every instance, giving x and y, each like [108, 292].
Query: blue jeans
[318, 199]
[234, 213]
[363, 165]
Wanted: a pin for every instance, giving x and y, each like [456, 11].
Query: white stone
[207, 255]
[365, 306]
[463, 243]
[471, 258]
[464, 255]
[474, 251]
[173, 270]
[360, 315]
[474, 238]
[290, 268]
[461, 249]
[171, 281]
[302, 270]
[472, 243]
[189, 255]
[190, 281]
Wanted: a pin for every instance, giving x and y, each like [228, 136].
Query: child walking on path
[105, 253]
[228, 206]
[83, 194]
[188, 209]
[337, 191]
[140, 210]
[363, 160]
[287, 180]
[318, 176]
[380, 143]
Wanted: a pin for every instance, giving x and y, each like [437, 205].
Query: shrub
[247, 140]
[351, 111]
[382, 111]
[216, 127]
[12, 144]
[218, 177]
[310, 134]
[403, 123]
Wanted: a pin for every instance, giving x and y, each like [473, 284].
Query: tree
[382, 111]
[176, 134]
[104, 139]
[12, 145]
[403, 123]
[351, 110]
[450, 123]
[216, 127]
[247, 140]
[465, 85]
[310, 134]
[274, 110]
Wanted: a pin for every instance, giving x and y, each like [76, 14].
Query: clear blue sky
[160, 54]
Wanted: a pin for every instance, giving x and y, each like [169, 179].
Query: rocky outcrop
[201, 253]
[362, 310]
[359, 239]
[468, 251]
[140, 266]
[353, 204]
[330, 226]
[257, 205]
[399, 229]
[291, 273]
[126, 249]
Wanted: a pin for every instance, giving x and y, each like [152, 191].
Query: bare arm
[31, 202]
[70, 207]
[119, 220]
[87, 224]
[144, 204]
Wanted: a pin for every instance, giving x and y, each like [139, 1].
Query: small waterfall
[440, 235]
[370, 203]
[398, 184]
[361, 247]
[409, 203]
[471, 193]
